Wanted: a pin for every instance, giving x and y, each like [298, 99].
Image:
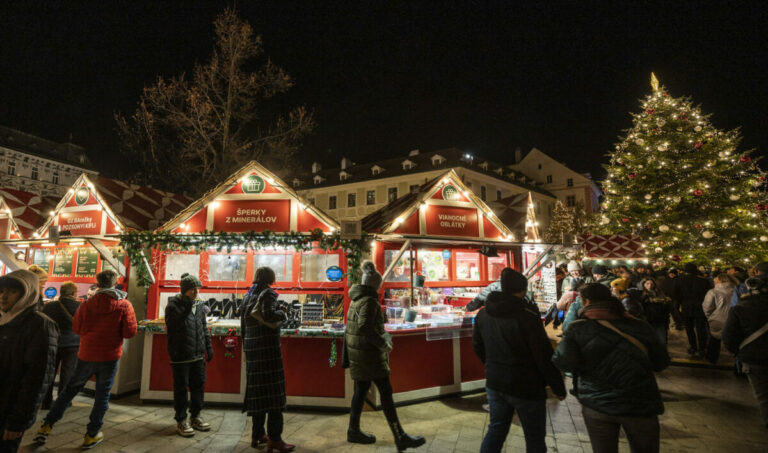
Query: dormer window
[376, 170]
[296, 182]
[408, 164]
[343, 175]
[318, 179]
[437, 160]
[484, 166]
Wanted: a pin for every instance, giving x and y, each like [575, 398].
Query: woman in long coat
[367, 346]
[260, 319]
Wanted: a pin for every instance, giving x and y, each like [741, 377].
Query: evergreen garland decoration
[138, 245]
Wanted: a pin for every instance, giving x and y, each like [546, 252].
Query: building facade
[40, 166]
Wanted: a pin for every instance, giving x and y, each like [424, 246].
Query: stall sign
[87, 260]
[450, 221]
[253, 184]
[50, 292]
[246, 215]
[82, 195]
[450, 193]
[334, 273]
[446, 254]
[80, 223]
[43, 259]
[62, 263]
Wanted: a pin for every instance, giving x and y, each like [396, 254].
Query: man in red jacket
[102, 322]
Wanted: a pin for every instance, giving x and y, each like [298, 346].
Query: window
[313, 266]
[467, 266]
[482, 193]
[35, 173]
[433, 266]
[281, 263]
[495, 266]
[351, 199]
[498, 195]
[549, 179]
[569, 182]
[332, 202]
[55, 178]
[402, 270]
[226, 268]
[570, 201]
[539, 166]
[408, 165]
[391, 194]
[370, 197]
[12, 168]
[413, 188]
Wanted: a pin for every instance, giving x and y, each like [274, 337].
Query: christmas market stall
[613, 249]
[437, 248]
[21, 213]
[253, 219]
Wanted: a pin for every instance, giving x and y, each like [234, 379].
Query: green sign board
[450, 193]
[119, 256]
[42, 259]
[87, 259]
[62, 263]
[253, 184]
[82, 195]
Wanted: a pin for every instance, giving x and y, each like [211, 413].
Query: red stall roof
[518, 213]
[27, 212]
[615, 246]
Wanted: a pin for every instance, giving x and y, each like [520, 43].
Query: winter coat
[188, 336]
[103, 322]
[67, 337]
[28, 343]
[265, 379]
[606, 280]
[656, 307]
[689, 291]
[748, 316]
[510, 340]
[366, 340]
[573, 313]
[613, 375]
[717, 304]
[479, 300]
[568, 282]
[632, 302]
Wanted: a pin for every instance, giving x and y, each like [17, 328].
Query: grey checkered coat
[265, 381]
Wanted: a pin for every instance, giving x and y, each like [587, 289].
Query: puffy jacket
[689, 291]
[67, 337]
[102, 322]
[657, 307]
[749, 315]
[717, 304]
[633, 303]
[569, 281]
[510, 340]
[613, 375]
[366, 340]
[188, 335]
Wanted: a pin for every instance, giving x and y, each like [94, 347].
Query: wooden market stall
[253, 201]
[21, 213]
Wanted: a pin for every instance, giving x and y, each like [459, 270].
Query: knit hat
[371, 276]
[599, 269]
[512, 281]
[690, 268]
[189, 282]
[573, 266]
[620, 283]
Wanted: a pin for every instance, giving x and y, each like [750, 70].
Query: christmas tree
[684, 187]
[565, 221]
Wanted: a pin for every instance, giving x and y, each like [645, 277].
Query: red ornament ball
[698, 225]
[650, 111]
[761, 207]
[745, 158]
[666, 94]
[698, 192]
[762, 178]
[625, 220]
[662, 242]
[698, 145]
[631, 176]
[675, 258]
[655, 129]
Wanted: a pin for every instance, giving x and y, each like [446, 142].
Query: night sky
[387, 77]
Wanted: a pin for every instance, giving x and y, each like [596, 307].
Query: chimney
[413, 152]
[518, 155]
[316, 167]
[346, 163]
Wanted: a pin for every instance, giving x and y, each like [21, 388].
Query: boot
[258, 442]
[354, 434]
[403, 440]
[279, 447]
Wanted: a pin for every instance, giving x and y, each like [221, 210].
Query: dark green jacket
[614, 376]
[367, 342]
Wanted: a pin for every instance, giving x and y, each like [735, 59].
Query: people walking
[612, 357]
[367, 347]
[189, 345]
[510, 340]
[63, 312]
[689, 292]
[746, 335]
[657, 307]
[629, 296]
[103, 322]
[717, 304]
[28, 341]
[260, 320]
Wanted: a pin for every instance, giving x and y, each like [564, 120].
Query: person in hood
[689, 292]
[367, 347]
[656, 307]
[28, 342]
[717, 304]
[42, 278]
[613, 357]
[63, 312]
[576, 276]
[509, 339]
[103, 322]
[189, 341]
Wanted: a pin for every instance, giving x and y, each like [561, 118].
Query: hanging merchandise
[230, 342]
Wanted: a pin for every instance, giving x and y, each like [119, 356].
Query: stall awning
[613, 246]
[28, 212]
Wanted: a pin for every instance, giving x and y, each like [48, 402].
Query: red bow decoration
[745, 158]
[697, 145]
[625, 219]
[631, 176]
[231, 342]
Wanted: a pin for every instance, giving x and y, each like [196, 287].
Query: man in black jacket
[62, 312]
[746, 334]
[689, 291]
[188, 343]
[510, 340]
[27, 352]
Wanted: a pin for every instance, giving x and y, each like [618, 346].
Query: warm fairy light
[71, 190]
[215, 204]
[332, 229]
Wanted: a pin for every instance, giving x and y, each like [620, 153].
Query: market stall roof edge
[26, 211]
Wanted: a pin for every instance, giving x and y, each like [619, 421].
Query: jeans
[105, 377]
[698, 331]
[190, 375]
[758, 378]
[642, 432]
[533, 417]
[358, 400]
[274, 425]
[67, 359]
[712, 352]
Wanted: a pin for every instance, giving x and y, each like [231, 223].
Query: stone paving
[706, 411]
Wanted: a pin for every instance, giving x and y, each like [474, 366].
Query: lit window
[370, 197]
[351, 200]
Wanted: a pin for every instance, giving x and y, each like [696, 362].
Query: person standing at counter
[189, 341]
[368, 346]
[509, 339]
[260, 317]
[63, 312]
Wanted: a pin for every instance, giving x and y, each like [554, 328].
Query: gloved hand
[210, 355]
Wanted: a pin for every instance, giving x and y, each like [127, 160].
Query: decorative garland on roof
[138, 245]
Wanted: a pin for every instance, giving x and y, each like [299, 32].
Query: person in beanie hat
[189, 345]
[510, 340]
[368, 345]
[575, 276]
[28, 341]
[42, 278]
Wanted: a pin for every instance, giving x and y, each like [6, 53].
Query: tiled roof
[377, 220]
[29, 210]
[66, 153]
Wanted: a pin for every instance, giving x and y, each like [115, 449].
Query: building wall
[24, 165]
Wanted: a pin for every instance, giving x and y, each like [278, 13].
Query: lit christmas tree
[565, 222]
[684, 187]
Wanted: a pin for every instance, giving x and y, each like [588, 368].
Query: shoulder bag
[755, 335]
[628, 337]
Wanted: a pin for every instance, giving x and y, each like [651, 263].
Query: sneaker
[199, 424]
[184, 429]
[91, 441]
[43, 433]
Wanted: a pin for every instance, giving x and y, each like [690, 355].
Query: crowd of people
[614, 338]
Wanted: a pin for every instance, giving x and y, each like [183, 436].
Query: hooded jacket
[28, 342]
[102, 322]
[188, 336]
[366, 340]
[717, 304]
[509, 339]
[749, 315]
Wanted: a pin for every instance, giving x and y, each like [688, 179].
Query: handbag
[755, 335]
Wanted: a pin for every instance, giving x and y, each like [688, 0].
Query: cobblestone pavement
[706, 411]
